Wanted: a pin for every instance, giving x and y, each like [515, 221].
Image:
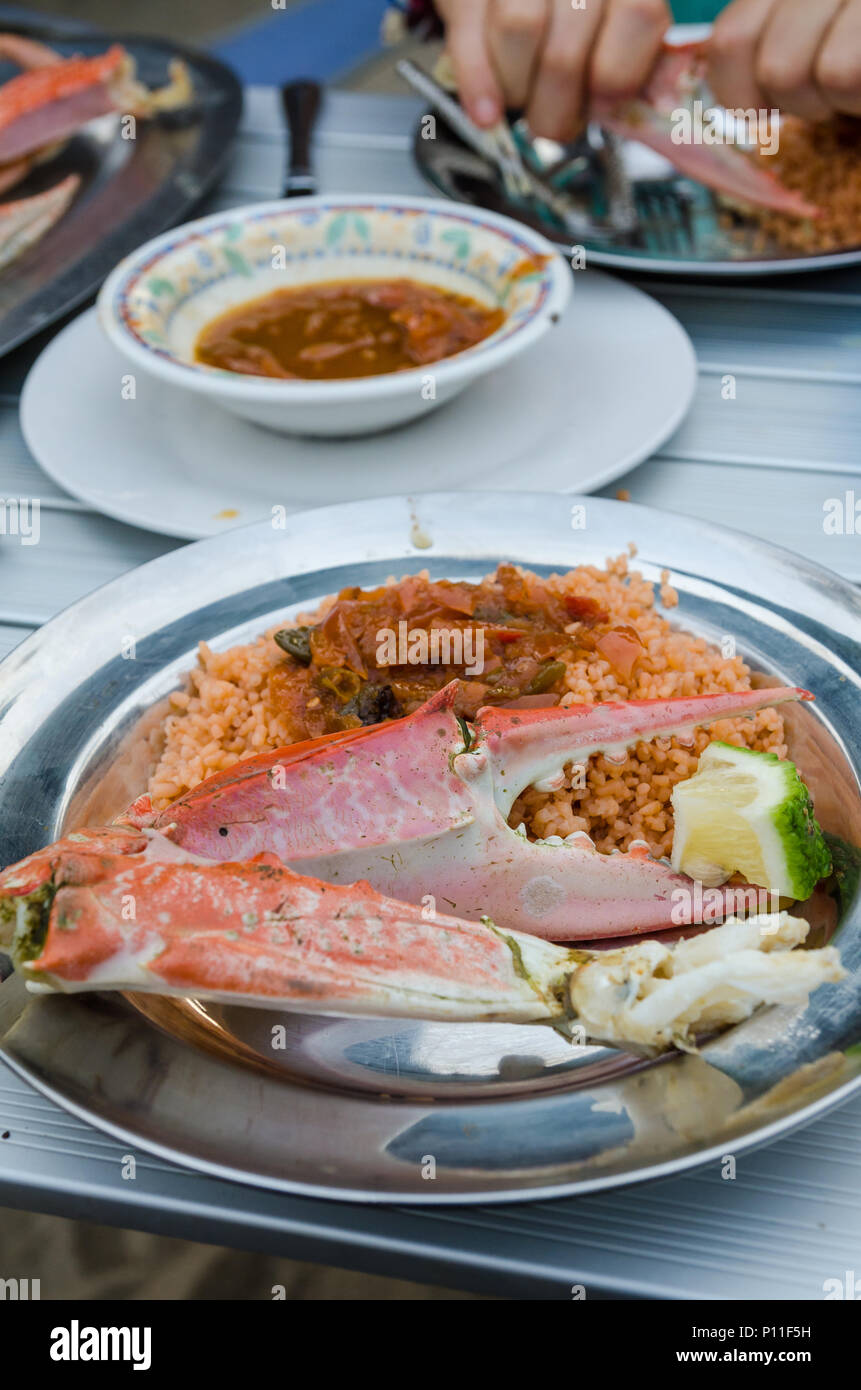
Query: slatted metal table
[768, 461]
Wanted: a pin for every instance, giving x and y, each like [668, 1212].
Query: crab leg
[419, 808]
[118, 909]
[652, 118]
[51, 100]
[27, 53]
[28, 219]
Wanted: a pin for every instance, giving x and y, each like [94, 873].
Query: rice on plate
[822, 162]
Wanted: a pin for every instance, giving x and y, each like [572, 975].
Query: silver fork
[497, 145]
[655, 210]
[621, 205]
[499, 148]
[665, 217]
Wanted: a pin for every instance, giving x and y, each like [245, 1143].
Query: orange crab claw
[48, 102]
[78, 858]
[149, 917]
[114, 908]
[45, 104]
[419, 808]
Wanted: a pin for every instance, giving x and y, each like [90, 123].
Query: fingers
[466, 43]
[558, 97]
[800, 56]
[732, 53]
[838, 63]
[628, 44]
[515, 35]
[786, 56]
[605, 50]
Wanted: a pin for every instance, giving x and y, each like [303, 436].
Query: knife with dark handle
[301, 102]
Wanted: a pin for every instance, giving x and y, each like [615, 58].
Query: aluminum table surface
[771, 446]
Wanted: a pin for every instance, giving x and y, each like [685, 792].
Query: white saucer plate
[600, 393]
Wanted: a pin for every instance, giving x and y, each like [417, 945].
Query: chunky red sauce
[345, 329]
[337, 674]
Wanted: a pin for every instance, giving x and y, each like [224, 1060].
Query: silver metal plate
[383, 1110]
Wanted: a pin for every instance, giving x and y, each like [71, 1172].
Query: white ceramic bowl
[156, 301]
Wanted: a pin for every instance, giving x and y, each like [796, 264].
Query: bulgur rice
[224, 715]
[823, 163]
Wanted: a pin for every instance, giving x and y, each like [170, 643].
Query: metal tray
[359, 1109]
[130, 189]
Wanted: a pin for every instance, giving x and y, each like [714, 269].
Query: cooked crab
[419, 808]
[127, 909]
[678, 81]
[45, 104]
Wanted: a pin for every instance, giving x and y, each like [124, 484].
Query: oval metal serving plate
[358, 1109]
[130, 189]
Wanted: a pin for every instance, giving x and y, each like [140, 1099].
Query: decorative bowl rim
[491, 351]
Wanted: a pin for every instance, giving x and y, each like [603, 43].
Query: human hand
[548, 57]
[801, 56]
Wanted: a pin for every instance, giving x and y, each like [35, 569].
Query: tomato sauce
[345, 328]
[339, 674]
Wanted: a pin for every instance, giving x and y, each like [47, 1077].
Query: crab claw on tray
[49, 101]
[26, 220]
[120, 909]
[419, 807]
[655, 119]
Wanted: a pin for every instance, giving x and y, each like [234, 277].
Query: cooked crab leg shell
[525, 746]
[48, 103]
[26, 221]
[27, 53]
[120, 910]
[652, 118]
[419, 807]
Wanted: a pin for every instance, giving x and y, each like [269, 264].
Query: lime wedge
[748, 813]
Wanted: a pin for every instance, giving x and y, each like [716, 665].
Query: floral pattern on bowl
[337, 239]
[156, 302]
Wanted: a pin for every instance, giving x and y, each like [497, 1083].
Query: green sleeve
[697, 11]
